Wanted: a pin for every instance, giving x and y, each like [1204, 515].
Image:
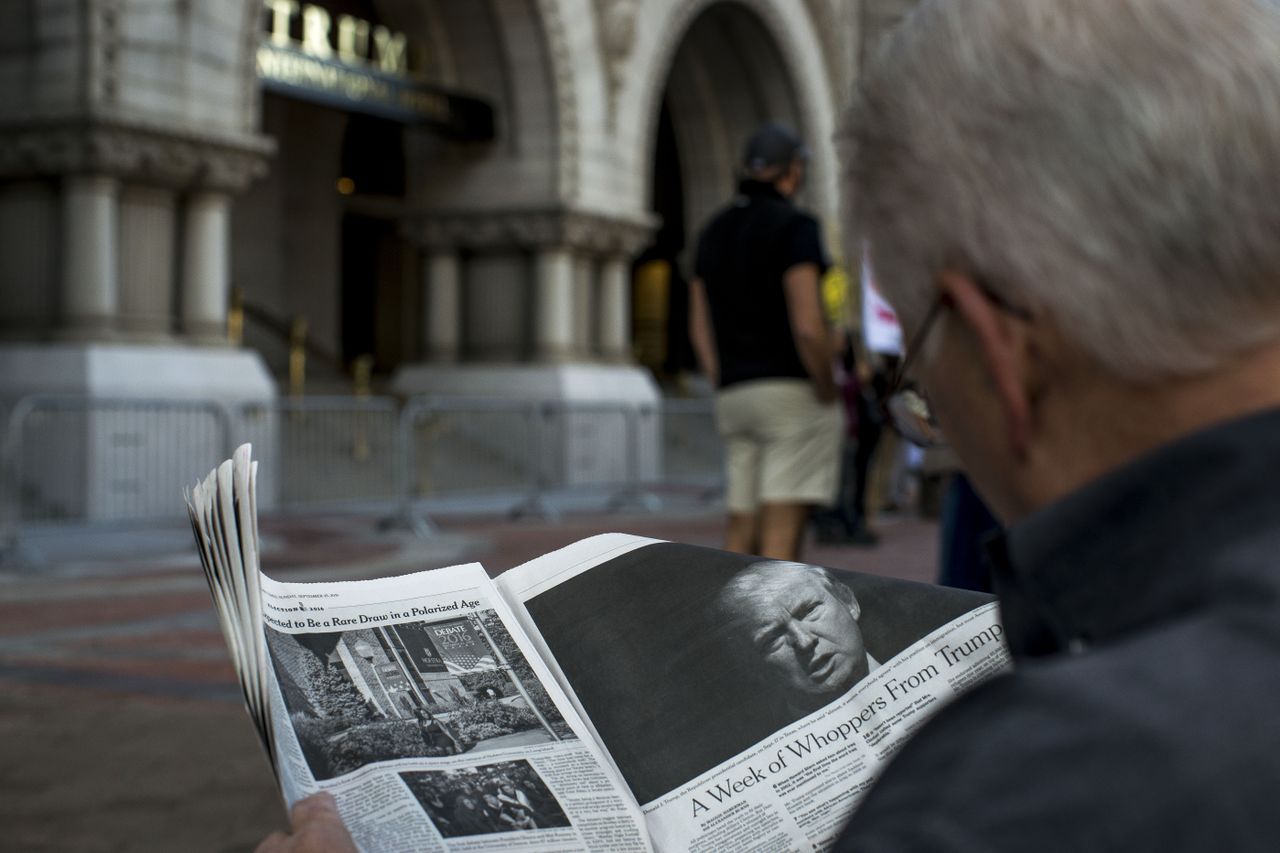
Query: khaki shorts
[781, 444]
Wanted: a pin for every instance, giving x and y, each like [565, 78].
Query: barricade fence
[74, 459]
[330, 451]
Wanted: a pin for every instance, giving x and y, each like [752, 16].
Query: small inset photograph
[415, 689]
[505, 797]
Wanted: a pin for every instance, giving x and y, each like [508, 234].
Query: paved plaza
[121, 724]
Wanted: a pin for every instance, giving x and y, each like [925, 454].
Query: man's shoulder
[1087, 752]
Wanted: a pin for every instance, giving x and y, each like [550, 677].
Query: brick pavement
[121, 726]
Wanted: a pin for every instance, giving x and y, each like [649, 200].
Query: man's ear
[855, 609]
[1004, 346]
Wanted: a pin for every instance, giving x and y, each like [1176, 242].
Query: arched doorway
[726, 78]
[378, 276]
[353, 95]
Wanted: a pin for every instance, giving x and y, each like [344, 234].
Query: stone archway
[730, 68]
[726, 78]
[790, 73]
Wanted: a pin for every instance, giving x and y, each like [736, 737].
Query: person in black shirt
[757, 327]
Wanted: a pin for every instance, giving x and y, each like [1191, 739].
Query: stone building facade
[475, 197]
[148, 171]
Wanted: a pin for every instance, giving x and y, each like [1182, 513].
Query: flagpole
[409, 669]
[502, 661]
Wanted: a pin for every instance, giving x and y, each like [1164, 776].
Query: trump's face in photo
[802, 624]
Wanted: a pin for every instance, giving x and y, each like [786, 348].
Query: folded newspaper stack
[619, 694]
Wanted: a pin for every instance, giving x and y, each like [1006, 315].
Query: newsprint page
[747, 704]
[621, 694]
[432, 721]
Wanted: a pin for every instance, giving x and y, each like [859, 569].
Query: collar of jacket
[757, 189]
[1181, 528]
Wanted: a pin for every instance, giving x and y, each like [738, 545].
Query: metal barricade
[462, 448]
[76, 459]
[329, 451]
[95, 459]
[521, 453]
[605, 447]
[692, 452]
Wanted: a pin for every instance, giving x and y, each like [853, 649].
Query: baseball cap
[773, 144]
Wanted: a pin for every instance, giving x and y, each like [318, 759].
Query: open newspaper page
[420, 705]
[747, 704]
[417, 701]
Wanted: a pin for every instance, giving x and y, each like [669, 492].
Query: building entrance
[726, 79]
[378, 267]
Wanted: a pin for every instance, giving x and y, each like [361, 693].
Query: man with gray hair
[1073, 206]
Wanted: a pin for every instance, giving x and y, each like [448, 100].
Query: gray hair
[1111, 164]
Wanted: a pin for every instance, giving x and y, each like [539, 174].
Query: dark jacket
[1143, 613]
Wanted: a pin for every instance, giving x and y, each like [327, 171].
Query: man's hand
[317, 828]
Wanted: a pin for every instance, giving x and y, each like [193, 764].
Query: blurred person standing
[1072, 204]
[758, 329]
[846, 522]
[966, 524]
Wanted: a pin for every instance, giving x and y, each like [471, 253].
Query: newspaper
[619, 694]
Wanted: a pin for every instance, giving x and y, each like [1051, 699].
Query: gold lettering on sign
[315, 32]
[353, 39]
[301, 70]
[391, 50]
[282, 12]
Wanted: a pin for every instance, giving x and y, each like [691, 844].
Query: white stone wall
[42, 65]
[160, 99]
[495, 49]
[660, 28]
[578, 84]
[127, 120]
[28, 264]
[178, 65]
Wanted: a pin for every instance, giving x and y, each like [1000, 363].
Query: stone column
[614, 317]
[148, 232]
[497, 292]
[583, 306]
[29, 244]
[206, 271]
[442, 307]
[553, 305]
[90, 284]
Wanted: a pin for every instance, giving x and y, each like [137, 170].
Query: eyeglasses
[907, 405]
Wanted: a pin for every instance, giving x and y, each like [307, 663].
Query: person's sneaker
[861, 536]
[829, 534]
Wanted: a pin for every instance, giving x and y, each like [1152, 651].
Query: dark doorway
[661, 317]
[374, 255]
[370, 247]
[727, 77]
